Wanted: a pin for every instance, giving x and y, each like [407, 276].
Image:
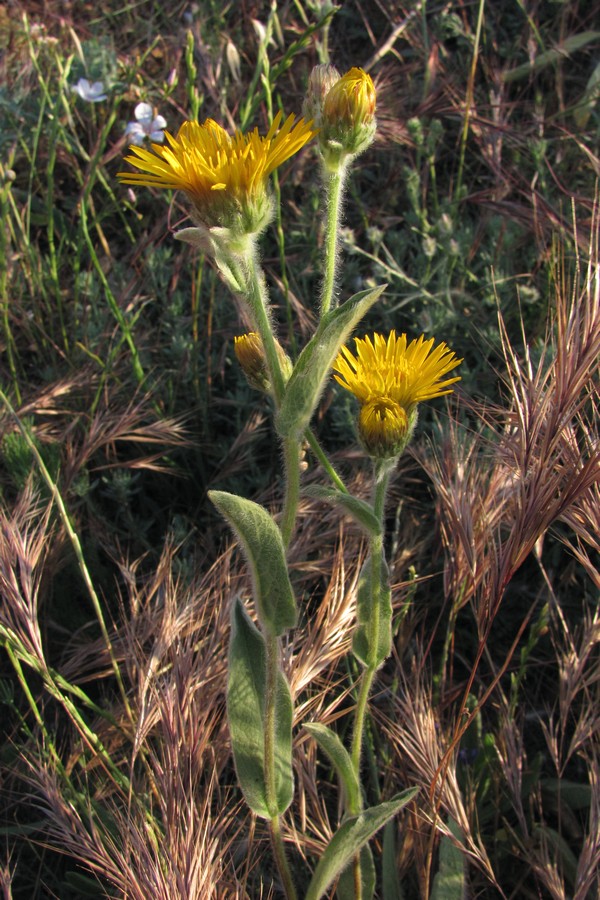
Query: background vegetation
[122, 404]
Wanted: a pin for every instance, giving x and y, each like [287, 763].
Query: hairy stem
[270, 765]
[259, 303]
[325, 462]
[334, 191]
[291, 456]
[257, 291]
[366, 679]
[368, 673]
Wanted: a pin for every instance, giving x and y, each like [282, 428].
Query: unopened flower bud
[348, 117]
[250, 354]
[385, 428]
[321, 80]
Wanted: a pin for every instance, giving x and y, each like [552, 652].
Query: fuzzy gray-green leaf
[361, 642]
[246, 716]
[330, 743]
[345, 887]
[350, 837]
[390, 877]
[449, 882]
[263, 547]
[360, 511]
[307, 380]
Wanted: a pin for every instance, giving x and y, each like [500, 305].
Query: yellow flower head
[225, 177]
[390, 377]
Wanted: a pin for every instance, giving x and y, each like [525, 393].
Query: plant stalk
[334, 192]
[259, 302]
[366, 679]
[325, 462]
[368, 673]
[272, 644]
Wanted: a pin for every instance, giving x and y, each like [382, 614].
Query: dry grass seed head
[419, 745]
[25, 536]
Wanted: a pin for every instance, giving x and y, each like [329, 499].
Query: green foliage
[17, 457]
[350, 837]
[339, 757]
[307, 380]
[346, 886]
[449, 882]
[370, 604]
[101, 309]
[263, 547]
[246, 705]
[360, 511]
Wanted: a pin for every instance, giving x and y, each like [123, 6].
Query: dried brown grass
[173, 825]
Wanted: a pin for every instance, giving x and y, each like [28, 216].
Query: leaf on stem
[349, 840]
[390, 877]
[365, 608]
[246, 699]
[307, 380]
[346, 890]
[360, 511]
[264, 550]
[330, 743]
[449, 882]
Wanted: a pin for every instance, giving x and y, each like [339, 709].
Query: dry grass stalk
[419, 745]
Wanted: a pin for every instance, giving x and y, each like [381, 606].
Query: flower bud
[348, 117]
[321, 80]
[385, 428]
[250, 354]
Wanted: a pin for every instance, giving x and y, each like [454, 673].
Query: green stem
[272, 644]
[368, 674]
[291, 455]
[334, 193]
[366, 682]
[281, 859]
[322, 457]
[257, 295]
[87, 734]
[48, 742]
[259, 302]
[468, 102]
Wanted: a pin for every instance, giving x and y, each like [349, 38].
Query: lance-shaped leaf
[349, 839]
[449, 882]
[330, 743]
[373, 650]
[263, 547]
[360, 511]
[307, 380]
[246, 694]
[346, 889]
[390, 876]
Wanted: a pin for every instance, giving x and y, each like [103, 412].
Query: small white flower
[93, 93]
[147, 126]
